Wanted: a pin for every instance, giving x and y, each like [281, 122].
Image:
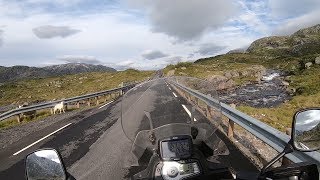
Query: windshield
[159, 109]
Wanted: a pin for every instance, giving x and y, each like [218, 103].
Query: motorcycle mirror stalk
[304, 135]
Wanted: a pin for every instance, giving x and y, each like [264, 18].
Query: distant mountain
[303, 42]
[15, 73]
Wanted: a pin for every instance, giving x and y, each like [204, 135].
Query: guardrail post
[18, 118]
[89, 103]
[97, 100]
[231, 125]
[78, 104]
[286, 161]
[208, 109]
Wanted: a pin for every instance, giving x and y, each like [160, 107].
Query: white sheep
[59, 107]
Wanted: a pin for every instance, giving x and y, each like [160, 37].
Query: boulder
[221, 82]
[234, 74]
[231, 74]
[183, 68]
[217, 78]
[317, 60]
[182, 74]
[244, 73]
[171, 73]
[285, 83]
[308, 65]
[228, 74]
[291, 91]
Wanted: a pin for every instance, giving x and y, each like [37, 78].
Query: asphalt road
[94, 146]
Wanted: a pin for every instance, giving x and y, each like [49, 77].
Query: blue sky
[141, 34]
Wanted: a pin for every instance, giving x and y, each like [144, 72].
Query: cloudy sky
[143, 34]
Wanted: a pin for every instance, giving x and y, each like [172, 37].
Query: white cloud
[122, 65]
[292, 25]
[153, 54]
[210, 49]
[293, 15]
[173, 60]
[48, 31]
[292, 8]
[186, 21]
[64, 3]
[1, 38]
[79, 59]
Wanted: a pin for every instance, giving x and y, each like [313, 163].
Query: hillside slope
[15, 73]
[301, 43]
[297, 56]
[47, 89]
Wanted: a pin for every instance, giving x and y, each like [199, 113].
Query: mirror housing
[45, 164]
[305, 134]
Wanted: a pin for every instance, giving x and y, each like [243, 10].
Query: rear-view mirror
[45, 164]
[306, 130]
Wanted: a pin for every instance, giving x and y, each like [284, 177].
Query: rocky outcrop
[221, 82]
[303, 42]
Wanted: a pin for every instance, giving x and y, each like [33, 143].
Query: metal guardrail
[18, 111]
[271, 136]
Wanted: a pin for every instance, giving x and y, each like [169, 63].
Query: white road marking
[304, 146]
[105, 105]
[170, 88]
[174, 94]
[188, 112]
[41, 139]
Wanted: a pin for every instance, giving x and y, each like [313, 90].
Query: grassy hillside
[305, 81]
[66, 86]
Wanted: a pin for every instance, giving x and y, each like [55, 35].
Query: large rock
[231, 74]
[308, 65]
[221, 82]
[253, 71]
[285, 83]
[171, 73]
[317, 60]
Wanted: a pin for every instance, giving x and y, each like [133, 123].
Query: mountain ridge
[19, 72]
[303, 42]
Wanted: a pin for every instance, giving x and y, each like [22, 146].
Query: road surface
[92, 143]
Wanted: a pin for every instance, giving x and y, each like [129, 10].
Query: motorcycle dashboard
[176, 148]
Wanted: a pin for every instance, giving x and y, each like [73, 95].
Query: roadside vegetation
[47, 89]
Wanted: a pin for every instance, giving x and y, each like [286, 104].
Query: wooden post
[18, 118]
[231, 125]
[66, 107]
[208, 112]
[286, 161]
[97, 100]
[188, 97]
